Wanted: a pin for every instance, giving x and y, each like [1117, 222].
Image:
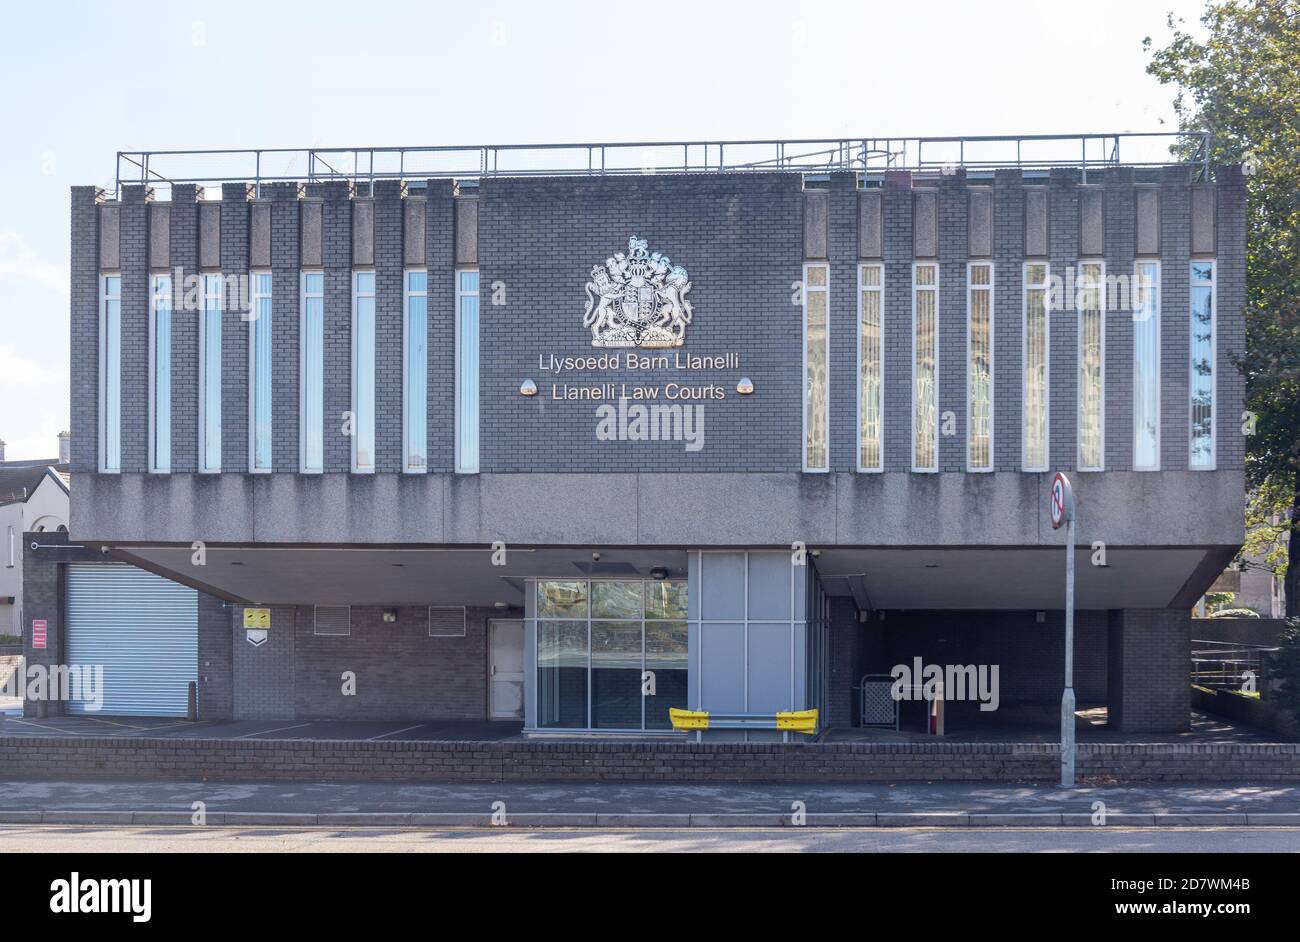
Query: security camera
[104, 550]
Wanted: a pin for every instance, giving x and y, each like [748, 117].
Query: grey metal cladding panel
[816, 210]
[1147, 203]
[870, 223]
[925, 223]
[110, 221]
[160, 236]
[210, 235]
[259, 236]
[1092, 221]
[413, 222]
[541, 508]
[1203, 221]
[311, 234]
[980, 232]
[736, 509]
[1036, 222]
[467, 208]
[363, 232]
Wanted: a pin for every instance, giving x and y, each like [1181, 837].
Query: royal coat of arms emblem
[637, 299]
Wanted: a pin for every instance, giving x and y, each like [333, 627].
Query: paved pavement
[609, 798]
[74, 840]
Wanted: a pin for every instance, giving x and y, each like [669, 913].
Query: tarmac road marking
[263, 732]
[395, 732]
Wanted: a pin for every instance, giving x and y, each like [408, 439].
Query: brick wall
[400, 672]
[542, 762]
[1150, 688]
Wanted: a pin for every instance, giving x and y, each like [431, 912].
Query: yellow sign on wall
[257, 618]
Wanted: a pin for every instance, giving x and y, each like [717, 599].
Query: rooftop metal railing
[863, 155]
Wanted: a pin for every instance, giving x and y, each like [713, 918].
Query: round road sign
[1062, 500]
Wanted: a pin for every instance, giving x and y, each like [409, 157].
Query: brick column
[389, 313]
[85, 327]
[440, 260]
[897, 352]
[133, 248]
[1121, 248]
[234, 326]
[1063, 330]
[842, 253]
[186, 304]
[1008, 317]
[216, 659]
[1149, 683]
[336, 253]
[285, 201]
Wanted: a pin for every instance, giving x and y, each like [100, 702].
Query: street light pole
[1062, 506]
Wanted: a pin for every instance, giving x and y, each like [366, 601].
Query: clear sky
[82, 80]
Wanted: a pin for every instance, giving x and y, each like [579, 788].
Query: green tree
[1241, 83]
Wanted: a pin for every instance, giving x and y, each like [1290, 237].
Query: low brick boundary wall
[341, 761]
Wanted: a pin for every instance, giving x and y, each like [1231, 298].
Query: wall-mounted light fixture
[745, 386]
[528, 388]
[390, 615]
[659, 572]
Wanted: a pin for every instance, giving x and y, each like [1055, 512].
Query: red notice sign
[38, 632]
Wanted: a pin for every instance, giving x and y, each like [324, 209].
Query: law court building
[569, 436]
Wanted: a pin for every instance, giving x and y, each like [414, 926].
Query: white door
[507, 669]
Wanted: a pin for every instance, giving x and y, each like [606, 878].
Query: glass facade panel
[621, 668]
[312, 371]
[870, 368]
[161, 374]
[210, 400]
[1092, 365]
[816, 362]
[1034, 455]
[110, 302]
[363, 371]
[416, 371]
[925, 353]
[665, 663]
[1146, 368]
[979, 369]
[665, 599]
[261, 350]
[616, 673]
[562, 600]
[562, 674]
[1202, 366]
[616, 600]
[467, 371]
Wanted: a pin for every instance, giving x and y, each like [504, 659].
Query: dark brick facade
[542, 762]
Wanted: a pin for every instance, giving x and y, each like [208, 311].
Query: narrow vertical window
[1092, 366]
[363, 371]
[160, 373]
[467, 372]
[925, 363]
[1034, 446]
[259, 364]
[979, 367]
[1201, 443]
[1146, 368]
[870, 367]
[210, 376]
[311, 370]
[110, 373]
[415, 366]
[816, 398]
